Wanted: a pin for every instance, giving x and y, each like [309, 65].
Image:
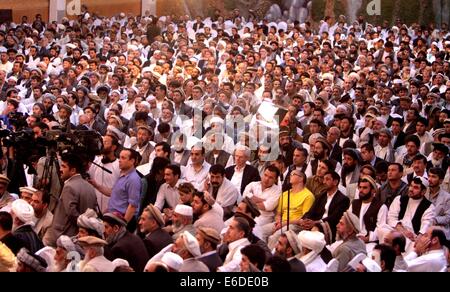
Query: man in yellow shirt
[298, 199]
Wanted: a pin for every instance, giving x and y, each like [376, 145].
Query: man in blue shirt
[125, 195]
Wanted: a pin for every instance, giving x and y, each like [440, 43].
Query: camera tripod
[51, 165]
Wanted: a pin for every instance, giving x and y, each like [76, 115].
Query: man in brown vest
[371, 212]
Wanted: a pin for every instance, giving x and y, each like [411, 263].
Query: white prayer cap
[382, 120]
[23, 211]
[313, 240]
[371, 265]
[122, 14]
[3, 50]
[72, 46]
[145, 104]
[132, 47]
[146, 69]
[191, 243]
[150, 98]
[28, 190]
[12, 78]
[328, 76]
[217, 120]
[116, 91]
[184, 210]
[172, 260]
[397, 81]
[396, 116]
[134, 88]
[107, 39]
[120, 263]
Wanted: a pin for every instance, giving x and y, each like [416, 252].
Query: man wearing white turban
[312, 243]
[23, 216]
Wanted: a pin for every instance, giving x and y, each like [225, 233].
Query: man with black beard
[439, 156]
[287, 145]
[368, 207]
[350, 170]
[321, 151]
[222, 190]
[101, 180]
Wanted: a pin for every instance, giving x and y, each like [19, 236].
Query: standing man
[40, 201]
[101, 180]
[76, 197]
[125, 195]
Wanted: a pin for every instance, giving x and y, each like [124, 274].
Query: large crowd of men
[228, 144]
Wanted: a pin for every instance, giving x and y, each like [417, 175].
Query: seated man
[347, 229]
[312, 244]
[413, 214]
[297, 201]
[429, 255]
[265, 195]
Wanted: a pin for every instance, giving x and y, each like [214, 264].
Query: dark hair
[423, 121]
[165, 146]
[217, 169]
[368, 147]
[399, 241]
[45, 197]
[243, 225]
[420, 157]
[400, 167]
[334, 175]
[388, 255]
[279, 264]
[133, 154]
[73, 161]
[438, 171]
[303, 150]
[163, 128]
[381, 166]
[159, 164]
[414, 139]
[273, 169]
[255, 254]
[439, 233]
[175, 169]
[6, 221]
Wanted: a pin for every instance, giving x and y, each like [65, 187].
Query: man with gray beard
[123, 244]
[182, 219]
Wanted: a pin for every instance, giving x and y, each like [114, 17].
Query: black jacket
[250, 174]
[339, 204]
[156, 241]
[131, 248]
[212, 261]
[29, 238]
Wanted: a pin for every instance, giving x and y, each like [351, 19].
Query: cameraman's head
[39, 129]
[12, 105]
[70, 166]
[110, 144]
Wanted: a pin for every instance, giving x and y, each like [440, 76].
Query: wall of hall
[26, 7]
[102, 7]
